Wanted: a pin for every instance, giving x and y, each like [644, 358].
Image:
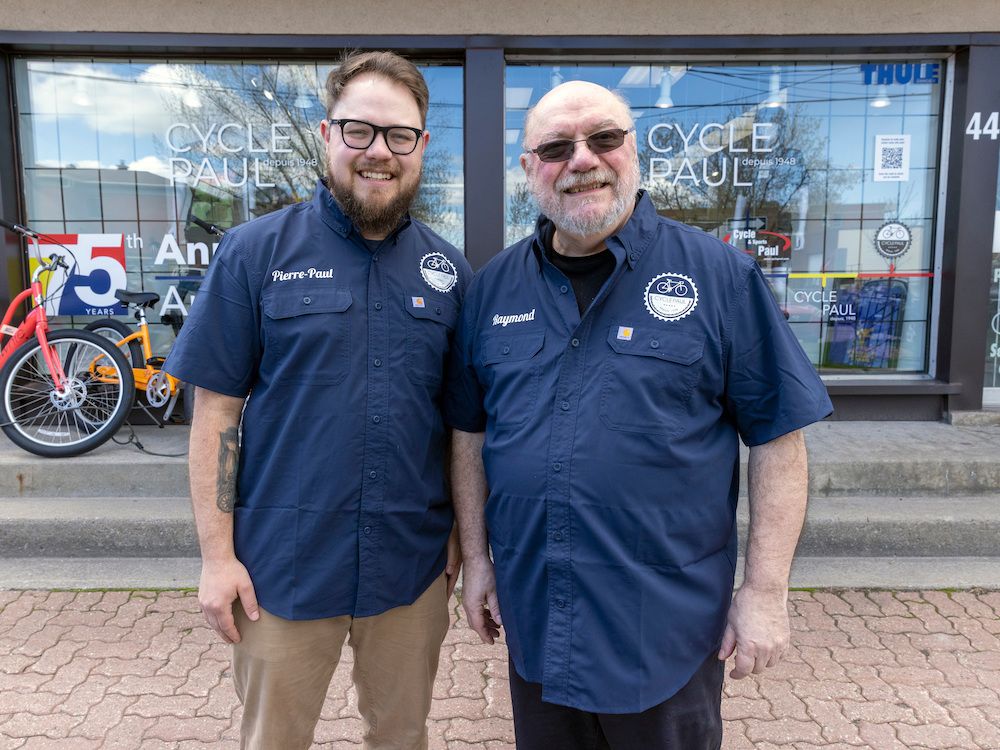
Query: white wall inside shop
[527, 17]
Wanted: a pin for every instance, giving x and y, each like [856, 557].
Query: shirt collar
[335, 218]
[631, 240]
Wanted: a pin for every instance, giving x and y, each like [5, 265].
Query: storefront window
[825, 172]
[117, 154]
[991, 390]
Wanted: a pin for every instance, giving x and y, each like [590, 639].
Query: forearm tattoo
[229, 460]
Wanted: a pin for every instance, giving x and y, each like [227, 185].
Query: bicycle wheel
[99, 394]
[114, 330]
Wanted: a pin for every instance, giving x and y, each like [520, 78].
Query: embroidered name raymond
[505, 320]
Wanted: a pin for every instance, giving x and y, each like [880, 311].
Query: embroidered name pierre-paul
[309, 273]
[506, 320]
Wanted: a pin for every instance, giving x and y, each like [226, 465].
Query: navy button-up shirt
[342, 504]
[612, 450]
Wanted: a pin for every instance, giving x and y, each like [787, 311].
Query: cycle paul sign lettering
[97, 271]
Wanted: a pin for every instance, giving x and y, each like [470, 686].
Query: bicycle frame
[36, 324]
[143, 374]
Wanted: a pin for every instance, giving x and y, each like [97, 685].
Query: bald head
[569, 99]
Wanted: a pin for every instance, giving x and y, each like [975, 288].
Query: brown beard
[370, 218]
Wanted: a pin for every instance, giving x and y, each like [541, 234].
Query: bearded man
[603, 372]
[318, 344]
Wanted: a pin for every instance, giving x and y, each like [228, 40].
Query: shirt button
[560, 603]
[378, 362]
[564, 289]
[633, 257]
[368, 530]
[506, 350]
[557, 536]
[376, 419]
[372, 475]
[437, 310]
[564, 406]
[557, 466]
[378, 305]
[654, 344]
[307, 300]
[575, 342]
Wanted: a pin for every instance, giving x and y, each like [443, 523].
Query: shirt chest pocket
[428, 337]
[511, 368]
[308, 334]
[648, 379]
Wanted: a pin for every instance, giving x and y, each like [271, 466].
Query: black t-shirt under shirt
[586, 273]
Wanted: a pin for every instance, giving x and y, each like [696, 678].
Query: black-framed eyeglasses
[599, 143]
[400, 139]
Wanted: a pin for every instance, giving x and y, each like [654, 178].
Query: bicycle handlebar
[17, 229]
[210, 228]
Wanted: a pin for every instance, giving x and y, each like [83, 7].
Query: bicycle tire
[41, 421]
[115, 331]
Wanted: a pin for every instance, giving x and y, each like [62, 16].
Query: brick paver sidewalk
[141, 670]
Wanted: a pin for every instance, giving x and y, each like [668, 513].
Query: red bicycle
[62, 392]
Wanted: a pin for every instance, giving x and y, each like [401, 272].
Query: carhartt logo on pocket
[418, 301]
[624, 333]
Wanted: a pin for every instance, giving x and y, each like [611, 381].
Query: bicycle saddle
[142, 299]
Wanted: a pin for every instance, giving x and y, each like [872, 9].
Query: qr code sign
[892, 158]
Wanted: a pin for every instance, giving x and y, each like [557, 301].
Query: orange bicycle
[160, 388]
[62, 393]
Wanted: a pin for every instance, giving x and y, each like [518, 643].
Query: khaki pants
[282, 669]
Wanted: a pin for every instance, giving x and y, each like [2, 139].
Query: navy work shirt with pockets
[612, 450]
[342, 506]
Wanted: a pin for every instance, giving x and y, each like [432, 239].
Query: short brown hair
[386, 64]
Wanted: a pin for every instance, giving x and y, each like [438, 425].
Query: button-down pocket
[308, 334]
[512, 371]
[428, 337]
[648, 379]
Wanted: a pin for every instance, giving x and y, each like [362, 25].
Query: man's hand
[757, 630]
[479, 598]
[454, 564]
[221, 583]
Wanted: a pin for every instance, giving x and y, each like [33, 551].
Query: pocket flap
[682, 348]
[294, 302]
[430, 308]
[511, 348]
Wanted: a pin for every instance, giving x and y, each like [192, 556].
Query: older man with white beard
[603, 372]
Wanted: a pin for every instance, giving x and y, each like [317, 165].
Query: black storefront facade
[859, 171]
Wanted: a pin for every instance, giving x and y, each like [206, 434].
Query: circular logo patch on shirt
[893, 239]
[439, 272]
[671, 296]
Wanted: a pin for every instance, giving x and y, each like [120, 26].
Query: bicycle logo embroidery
[893, 239]
[439, 272]
[671, 296]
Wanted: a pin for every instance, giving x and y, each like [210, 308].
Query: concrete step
[846, 458]
[112, 470]
[97, 527]
[835, 527]
[895, 573]
[876, 526]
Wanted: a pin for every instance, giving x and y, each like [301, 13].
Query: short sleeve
[219, 346]
[463, 395]
[771, 386]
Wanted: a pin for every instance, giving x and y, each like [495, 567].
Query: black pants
[689, 720]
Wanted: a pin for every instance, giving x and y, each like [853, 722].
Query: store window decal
[824, 172]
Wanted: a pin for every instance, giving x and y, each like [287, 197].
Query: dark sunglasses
[598, 143]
